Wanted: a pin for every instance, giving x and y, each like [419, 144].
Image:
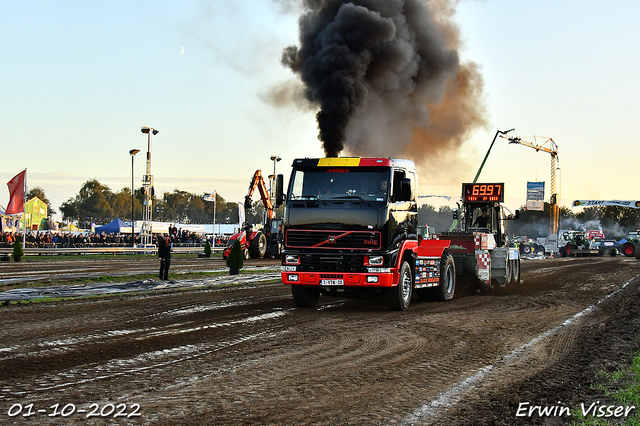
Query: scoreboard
[483, 192]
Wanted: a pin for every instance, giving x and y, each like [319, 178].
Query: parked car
[606, 247]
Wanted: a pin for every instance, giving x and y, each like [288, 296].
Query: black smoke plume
[386, 77]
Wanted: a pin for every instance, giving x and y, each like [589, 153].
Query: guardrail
[55, 251]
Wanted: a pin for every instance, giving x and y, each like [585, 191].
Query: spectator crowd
[58, 239]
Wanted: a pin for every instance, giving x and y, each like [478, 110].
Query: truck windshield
[340, 184]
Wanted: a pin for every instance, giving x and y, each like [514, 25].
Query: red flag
[16, 193]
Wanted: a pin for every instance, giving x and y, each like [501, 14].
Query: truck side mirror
[279, 190]
[405, 189]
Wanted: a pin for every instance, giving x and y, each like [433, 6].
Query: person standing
[164, 254]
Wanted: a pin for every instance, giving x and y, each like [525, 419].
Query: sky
[79, 79]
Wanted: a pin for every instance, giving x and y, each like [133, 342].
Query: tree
[93, 203]
[176, 206]
[121, 204]
[439, 220]
[39, 192]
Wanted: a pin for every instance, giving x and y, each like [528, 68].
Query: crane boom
[552, 149]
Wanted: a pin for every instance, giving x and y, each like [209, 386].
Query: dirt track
[246, 355]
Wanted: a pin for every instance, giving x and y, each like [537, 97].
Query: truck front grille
[327, 240]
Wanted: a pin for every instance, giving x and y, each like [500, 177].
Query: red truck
[350, 230]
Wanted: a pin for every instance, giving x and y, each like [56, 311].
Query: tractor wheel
[258, 246]
[305, 296]
[629, 249]
[447, 287]
[399, 297]
[526, 250]
[515, 272]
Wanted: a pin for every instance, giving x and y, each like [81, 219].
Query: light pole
[147, 187]
[272, 178]
[133, 153]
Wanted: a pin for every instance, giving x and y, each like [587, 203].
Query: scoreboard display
[483, 192]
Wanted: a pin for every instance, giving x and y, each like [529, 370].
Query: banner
[535, 191]
[535, 205]
[535, 196]
[600, 203]
[210, 197]
[240, 212]
[16, 193]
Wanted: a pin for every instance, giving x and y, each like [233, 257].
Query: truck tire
[399, 297]
[447, 287]
[305, 296]
[258, 246]
[515, 271]
[629, 249]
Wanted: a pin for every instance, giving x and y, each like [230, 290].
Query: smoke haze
[387, 78]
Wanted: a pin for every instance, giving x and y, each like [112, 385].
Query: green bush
[207, 249]
[235, 261]
[17, 250]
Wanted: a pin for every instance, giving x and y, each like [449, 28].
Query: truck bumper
[326, 279]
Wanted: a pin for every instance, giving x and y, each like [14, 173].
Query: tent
[70, 227]
[112, 227]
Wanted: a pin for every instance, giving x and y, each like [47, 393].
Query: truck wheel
[305, 296]
[245, 254]
[399, 297]
[258, 246]
[629, 249]
[447, 287]
[515, 271]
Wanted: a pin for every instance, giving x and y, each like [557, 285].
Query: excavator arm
[258, 182]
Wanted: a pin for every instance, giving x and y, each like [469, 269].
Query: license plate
[331, 282]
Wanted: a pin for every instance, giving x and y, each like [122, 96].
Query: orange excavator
[261, 243]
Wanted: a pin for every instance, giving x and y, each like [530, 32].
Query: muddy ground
[245, 355]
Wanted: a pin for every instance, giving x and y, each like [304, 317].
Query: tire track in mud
[218, 357]
[358, 368]
[554, 350]
[177, 335]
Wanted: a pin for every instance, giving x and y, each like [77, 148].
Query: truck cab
[350, 229]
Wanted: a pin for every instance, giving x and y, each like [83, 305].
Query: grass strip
[622, 389]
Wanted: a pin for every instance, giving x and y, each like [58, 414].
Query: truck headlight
[373, 260]
[292, 259]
